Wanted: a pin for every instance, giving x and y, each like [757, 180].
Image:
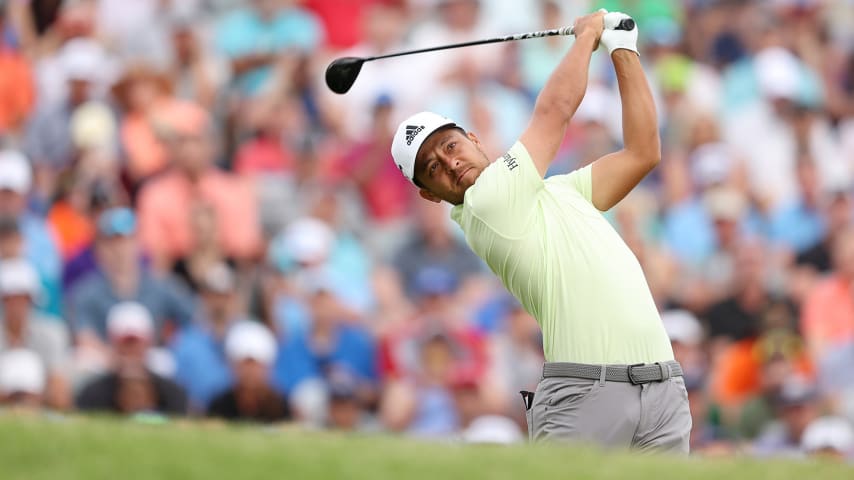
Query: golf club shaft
[509, 38]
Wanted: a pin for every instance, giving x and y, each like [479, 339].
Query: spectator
[79, 70]
[251, 349]
[130, 387]
[341, 20]
[17, 90]
[166, 203]
[751, 308]
[202, 366]
[781, 357]
[515, 355]
[267, 150]
[436, 314]
[123, 276]
[144, 95]
[75, 219]
[308, 248]
[829, 438]
[423, 405]
[196, 74]
[207, 254]
[22, 379]
[827, 319]
[799, 224]
[797, 405]
[72, 218]
[39, 246]
[346, 409]
[477, 423]
[11, 240]
[23, 327]
[434, 243]
[281, 25]
[838, 217]
[330, 343]
[385, 193]
[384, 25]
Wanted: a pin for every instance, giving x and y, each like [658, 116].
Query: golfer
[609, 376]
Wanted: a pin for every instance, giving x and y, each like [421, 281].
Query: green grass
[33, 448]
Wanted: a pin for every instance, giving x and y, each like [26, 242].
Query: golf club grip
[625, 24]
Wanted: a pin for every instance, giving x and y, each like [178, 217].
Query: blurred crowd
[191, 224]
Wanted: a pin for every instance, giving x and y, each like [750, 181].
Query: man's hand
[592, 24]
[617, 39]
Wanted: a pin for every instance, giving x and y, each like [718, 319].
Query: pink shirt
[828, 315]
[165, 206]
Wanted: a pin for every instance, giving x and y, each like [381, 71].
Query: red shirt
[342, 20]
[387, 194]
[263, 155]
[400, 351]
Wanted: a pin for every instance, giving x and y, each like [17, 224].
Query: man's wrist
[587, 37]
[621, 54]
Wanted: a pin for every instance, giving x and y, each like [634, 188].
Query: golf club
[341, 74]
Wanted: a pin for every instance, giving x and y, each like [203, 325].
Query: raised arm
[562, 94]
[616, 174]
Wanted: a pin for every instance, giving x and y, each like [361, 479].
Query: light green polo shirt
[565, 263]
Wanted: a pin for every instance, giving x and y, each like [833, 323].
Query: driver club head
[342, 73]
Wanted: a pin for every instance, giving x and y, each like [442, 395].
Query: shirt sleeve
[505, 195]
[581, 180]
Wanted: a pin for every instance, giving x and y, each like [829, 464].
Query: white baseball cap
[17, 276]
[409, 136]
[834, 433]
[248, 340]
[309, 240]
[21, 370]
[130, 318]
[84, 59]
[15, 172]
[682, 326]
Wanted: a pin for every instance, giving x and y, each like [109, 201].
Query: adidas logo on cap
[411, 132]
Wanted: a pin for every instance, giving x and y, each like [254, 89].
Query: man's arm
[563, 92]
[616, 174]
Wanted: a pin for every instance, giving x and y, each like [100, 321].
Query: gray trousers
[647, 417]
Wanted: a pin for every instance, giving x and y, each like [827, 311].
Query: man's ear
[474, 139]
[427, 195]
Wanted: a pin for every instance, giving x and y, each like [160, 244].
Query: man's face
[250, 374]
[16, 307]
[219, 306]
[344, 413]
[117, 253]
[130, 350]
[448, 163]
[191, 152]
[11, 202]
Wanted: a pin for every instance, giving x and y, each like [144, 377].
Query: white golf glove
[616, 39]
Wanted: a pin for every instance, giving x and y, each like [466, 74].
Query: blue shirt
[202, 367]
[353, 349]
[688, 230]
[435, 413]
[797, 226]
[92, 299]
[243, 33]
[40, 250]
